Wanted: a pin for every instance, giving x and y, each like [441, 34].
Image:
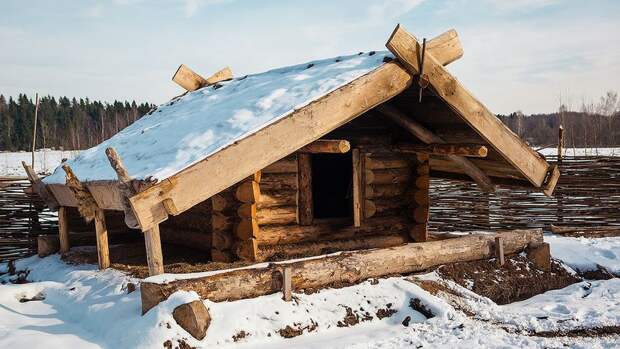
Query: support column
[63, 230]
[421, 198]
[154, 255]
[103, 252]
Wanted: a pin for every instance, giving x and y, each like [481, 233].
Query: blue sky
[519, 54]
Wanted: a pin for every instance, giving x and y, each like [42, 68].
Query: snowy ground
[86, 308]
[45, 161]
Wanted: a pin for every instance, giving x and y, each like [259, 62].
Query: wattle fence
[588, 194]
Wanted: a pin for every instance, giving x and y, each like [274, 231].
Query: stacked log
[223, 217]
[191, 228]
[421, 202]
[387, 178]
[247, 194]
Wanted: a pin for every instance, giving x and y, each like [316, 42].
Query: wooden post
[63, 230]
[287, 284]
[103, 252]
[560, 143]
[154, 256]
[357, 188]
[421, 197]
[305, 205]
[499, 251]
[34, 131]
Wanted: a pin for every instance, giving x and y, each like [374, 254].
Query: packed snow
[585, 254]
[45, 161]
[86, 308]
[582, 151]
[198, 124]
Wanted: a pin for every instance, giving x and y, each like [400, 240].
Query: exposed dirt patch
[417, 305]
[181, 344]
[297, 329]
[516, 280]
[240, 335]
[599, 274]
[38, 297]
[386, 312]
[442, 290]
[581, 332]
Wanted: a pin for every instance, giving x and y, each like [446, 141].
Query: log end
[193, 317]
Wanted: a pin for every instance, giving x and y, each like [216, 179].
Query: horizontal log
[278, 181]
[277, 198]
[221, 222]
[343, 268]
[389, 176]
[269, 215]
[222, 240]
[374, 191]
[332, 230]
[247, 229]
[305, 249]
[334, 146]
[383, 206]
[468, 150]
[286, 165]
[379, 163]
[223, 200]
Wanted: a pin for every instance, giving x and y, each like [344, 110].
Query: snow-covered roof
[198, 124]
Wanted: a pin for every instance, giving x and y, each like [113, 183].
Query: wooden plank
[499, 251]
[101, 231]
[304, 202]
[64, 196]
[287, 284]
[407, 49]
[154, 256]
[446, 48]
[344, 268]
[191, 81]
[270, 143]
[357, 188]
[107, 195]
[427, 136]
[40, 187]
[467, 150]
[63, 230]
[552, 181]
[333, 146]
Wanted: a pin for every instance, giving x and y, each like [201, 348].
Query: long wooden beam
[407, 49]
[334, 146]
[344, 268]
[468, 150]
[40, 187]
[427, 136]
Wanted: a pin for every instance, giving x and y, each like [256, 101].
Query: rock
[540, 255]
[193, 317]
[130, 287]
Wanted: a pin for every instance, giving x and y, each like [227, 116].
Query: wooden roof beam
[191, 81]
[407, 49]
[468, 150]
[333, 146]
[425, 135]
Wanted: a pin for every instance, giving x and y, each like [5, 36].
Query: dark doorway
[332, 178]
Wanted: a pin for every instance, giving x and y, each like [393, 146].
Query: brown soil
[581, 332]
[417, 305]
[516, 280]
[240, 335]
[599, 274]
[297, 329]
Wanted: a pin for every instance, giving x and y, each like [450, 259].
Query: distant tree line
[595, 124]
[63, 123]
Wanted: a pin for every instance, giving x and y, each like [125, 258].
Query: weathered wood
[552, 181]
[154, 256]
[101, 231]
[63, 230]
[377, 163]
[247, 228]
[271, 143]
[125, 186]
[221, 222]
[201, 241]
[333, 146]
[247, 250]
[277, 215]
[287, 284]
[342, 229]
[222, 201]
[279, 181]
[304, 185]
[428, 137]
[588, 232]
[193, 317]
[222, 240]
[387, 176]
[40, 187]
[344, 268]
[383, 206]
[275, 198]
[358, 195]
[374, 191]
[446, 48]
[468, 150]
[107, 195]
[47, 245]
[286, 165]
[86, 204]
[407, 49]
[225, 256]
[304, 249]
[499, 251]
[191, 81]
[421, 202]
[248, 192]
[560, 144]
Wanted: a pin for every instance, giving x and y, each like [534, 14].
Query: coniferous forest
[62, 122]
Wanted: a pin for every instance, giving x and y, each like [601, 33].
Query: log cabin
[331, 155]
